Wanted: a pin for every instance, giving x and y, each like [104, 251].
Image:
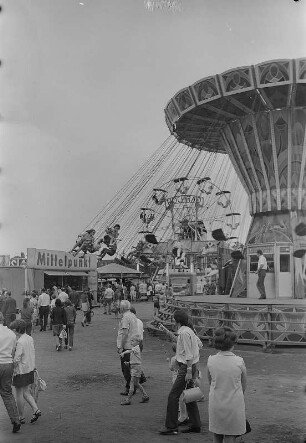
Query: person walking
[7, 348]
[261, 271]
[9, 309]
[136, 371]
[128, 328]
[26, 315]
[187, 357]
[24, 365]
[108, 299]
[85, 307]
[43, 309]
[59, 321]
[227, 379]
[70, 316]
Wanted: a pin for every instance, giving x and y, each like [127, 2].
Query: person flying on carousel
[110, 240]
[85, 243]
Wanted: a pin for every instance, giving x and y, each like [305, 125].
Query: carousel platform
[245, 301]
[269, 322]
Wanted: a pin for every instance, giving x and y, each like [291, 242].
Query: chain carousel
[178, 234]
[259, 115]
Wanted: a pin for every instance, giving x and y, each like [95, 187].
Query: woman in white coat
[227, 379]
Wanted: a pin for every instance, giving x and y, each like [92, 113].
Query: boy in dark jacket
[70, 315]
[59, 322]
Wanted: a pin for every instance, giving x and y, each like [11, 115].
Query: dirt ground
[82, 401]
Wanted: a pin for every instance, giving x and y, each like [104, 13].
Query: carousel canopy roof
[116, 269]
[197, 114]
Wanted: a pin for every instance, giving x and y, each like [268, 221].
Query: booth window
[254, 262]
[284, 263]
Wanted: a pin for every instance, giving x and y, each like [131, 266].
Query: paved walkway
[82, 402]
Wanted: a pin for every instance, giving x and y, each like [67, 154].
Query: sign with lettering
[60, 260]
[18, 261]
[185, 199]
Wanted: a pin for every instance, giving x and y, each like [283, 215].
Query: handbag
[42, 385]
[191, 394]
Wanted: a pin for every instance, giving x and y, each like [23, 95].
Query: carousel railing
[268, 325]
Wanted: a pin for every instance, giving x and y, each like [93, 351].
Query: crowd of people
[226, 376]
[110, 293]
[56, 309]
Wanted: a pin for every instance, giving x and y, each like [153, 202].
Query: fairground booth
[45, 268]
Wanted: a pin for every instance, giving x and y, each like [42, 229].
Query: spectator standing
[24, 365]
[117, 300]
[70, 316]
[108, 299]
[187, 357]
[85, 307]
[125, 292]
[90, 300]
[128, 328]
[9, 309]
[132, 293]
[43, 309]
[26, 315]
[7, 348]
[34, 305]
[52, 306]
[227, 378]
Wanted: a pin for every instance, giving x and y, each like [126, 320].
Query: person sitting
[110, 240]
[85, 243]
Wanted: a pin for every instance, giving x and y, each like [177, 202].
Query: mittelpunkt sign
[59, 260]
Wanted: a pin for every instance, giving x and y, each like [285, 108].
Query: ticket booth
[279, 278]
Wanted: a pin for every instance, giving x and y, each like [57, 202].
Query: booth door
[284, 271]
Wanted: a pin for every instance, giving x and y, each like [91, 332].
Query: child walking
[59, 321]
[136, 371]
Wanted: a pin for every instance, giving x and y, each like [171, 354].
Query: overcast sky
[82, 92]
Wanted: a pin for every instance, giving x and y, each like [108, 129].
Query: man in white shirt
[187, 357]
[128, 328]
[261, 271]
[43, 305]
[7, 349]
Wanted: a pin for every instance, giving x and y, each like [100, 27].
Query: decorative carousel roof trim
[219, 99]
